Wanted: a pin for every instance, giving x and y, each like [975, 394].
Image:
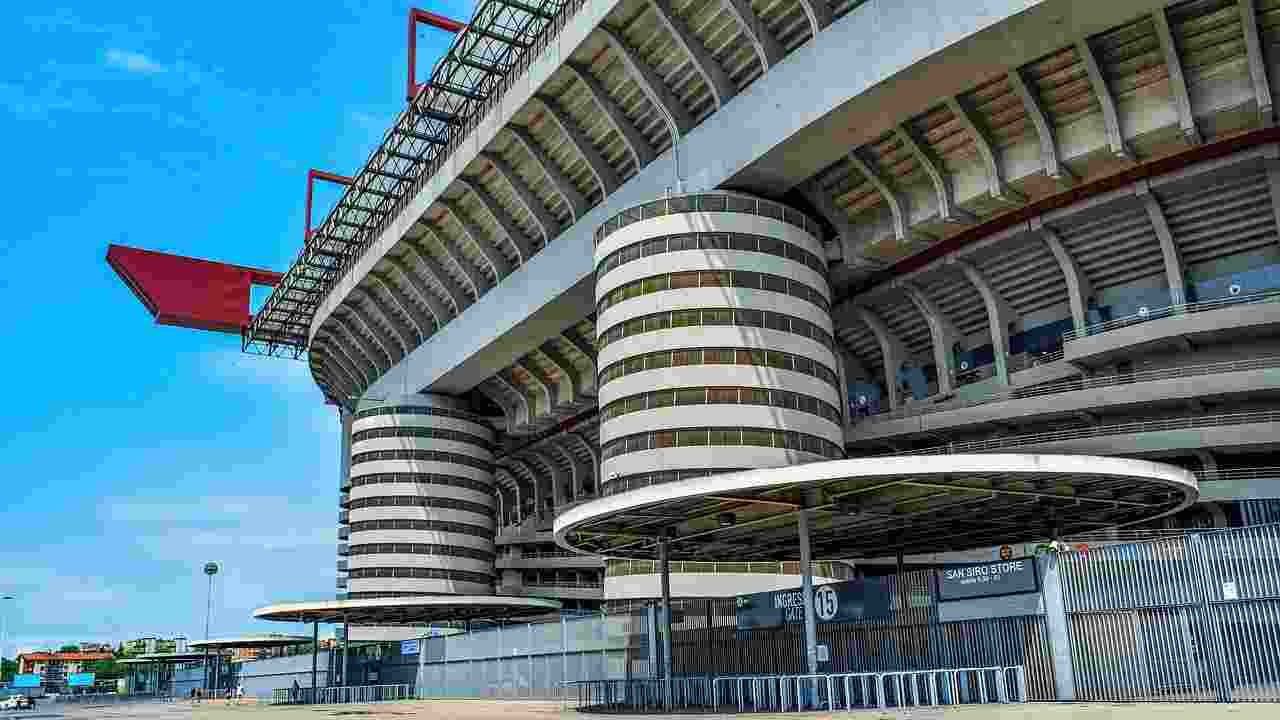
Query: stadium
[645, 308]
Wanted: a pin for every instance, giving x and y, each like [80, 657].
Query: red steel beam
[189, 292]
[439, 22]
[312, 176]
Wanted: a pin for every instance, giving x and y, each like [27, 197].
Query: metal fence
[1190, 618]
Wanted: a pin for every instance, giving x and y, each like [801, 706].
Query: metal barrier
[1148, 314]
[802, 692]
[341, 695]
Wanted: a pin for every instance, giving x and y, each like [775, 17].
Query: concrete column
[652, 628]
[1055, 620]
[346, 640]
[664, 552]
[806, 593]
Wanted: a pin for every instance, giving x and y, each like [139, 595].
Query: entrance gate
[1190, 618]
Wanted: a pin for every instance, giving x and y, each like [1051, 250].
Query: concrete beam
[845, 232]
[895, 200]
[1173, 271]
[642, 152]
[555, 176]
[604, 173]
[767, 46]
[942, 333]
[722, 88]
[532, 204]
[594, 452]
[521, 399]
[488, 250]
[586, 348]
[508, 408]
[932, 166]
[561, 482]
[516, 236]
[424, 323]
[479, 283]
[1177, 81]
[1110, 118]
[354, 341]
[541, 382]
[1049, 155]
[357, 382]
[579, 471]
[381, 337]
[435, 271]
[892, 351]
[399, 331]
[434, 304]
[679, 120]
[1257, 64]
[819, 14]
[996, 186]
[1079, 289]
[362, 368]
[999, 316]
[565, 368]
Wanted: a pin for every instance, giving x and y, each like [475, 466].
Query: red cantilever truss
[189, 292]
[436, 21]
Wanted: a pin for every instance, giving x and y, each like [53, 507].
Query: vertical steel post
[346, 640]
[806, 591]
[315, 655]
[664, 552]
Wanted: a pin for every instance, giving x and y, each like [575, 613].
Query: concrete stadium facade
[1051, 226]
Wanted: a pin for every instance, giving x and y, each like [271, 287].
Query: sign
[26, 680]
[824, 652]
[1229, 590]
[80, 679]
[1002, 577]
[409, 647]
[836, 602]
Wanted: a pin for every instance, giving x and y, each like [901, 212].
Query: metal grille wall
[706, 641]
[1191, 618]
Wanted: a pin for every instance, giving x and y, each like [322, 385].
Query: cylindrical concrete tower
[421, 501]
[715, 341]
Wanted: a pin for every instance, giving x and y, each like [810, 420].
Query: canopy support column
[806, 592]
[315, 655]
[664, 561]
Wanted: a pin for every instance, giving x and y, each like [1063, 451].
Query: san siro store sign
[989, 579]
[836, 602]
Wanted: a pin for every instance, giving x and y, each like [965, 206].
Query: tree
[69, 648]
[8, 668]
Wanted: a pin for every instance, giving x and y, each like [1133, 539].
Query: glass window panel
[803, 364]
[691, 396]
[717, 317]
[743, 242]
[662, 398]
[775, 359]
[748, 318]
[664, 439]
[773, 283]
[717, 357]
[634, 403]
[755, 396]
[635, 327]
[656, 246]
[723, 436]
[773, 246]
[762, 438]
[744, 279]
[686, 318]
[661, 321]
[688, 438]
[635, 364]
[682, 357]
[782, 398]
[716, 278]
[658, 360]
[684, 280]
[723, 396]
[629, 253]
[683, 242]
[713, 241]
[655, 284]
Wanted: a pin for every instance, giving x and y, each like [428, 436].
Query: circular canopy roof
[165, 658]
[873, 507]
[409, 610]
[252, 641]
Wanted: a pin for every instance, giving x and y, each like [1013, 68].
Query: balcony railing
[586, 584]
[1269, 472]
[1192, 422]
[543, 555]
[1073, 384]
[1147, 314]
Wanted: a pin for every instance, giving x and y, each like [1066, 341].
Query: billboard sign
[408, 647]
[26, 680]
[988, 579]
[836, 602]
[80, 679]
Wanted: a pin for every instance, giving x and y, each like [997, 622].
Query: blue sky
[134, 453]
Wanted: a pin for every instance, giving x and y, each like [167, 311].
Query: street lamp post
[4, 632]
[210, 569]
